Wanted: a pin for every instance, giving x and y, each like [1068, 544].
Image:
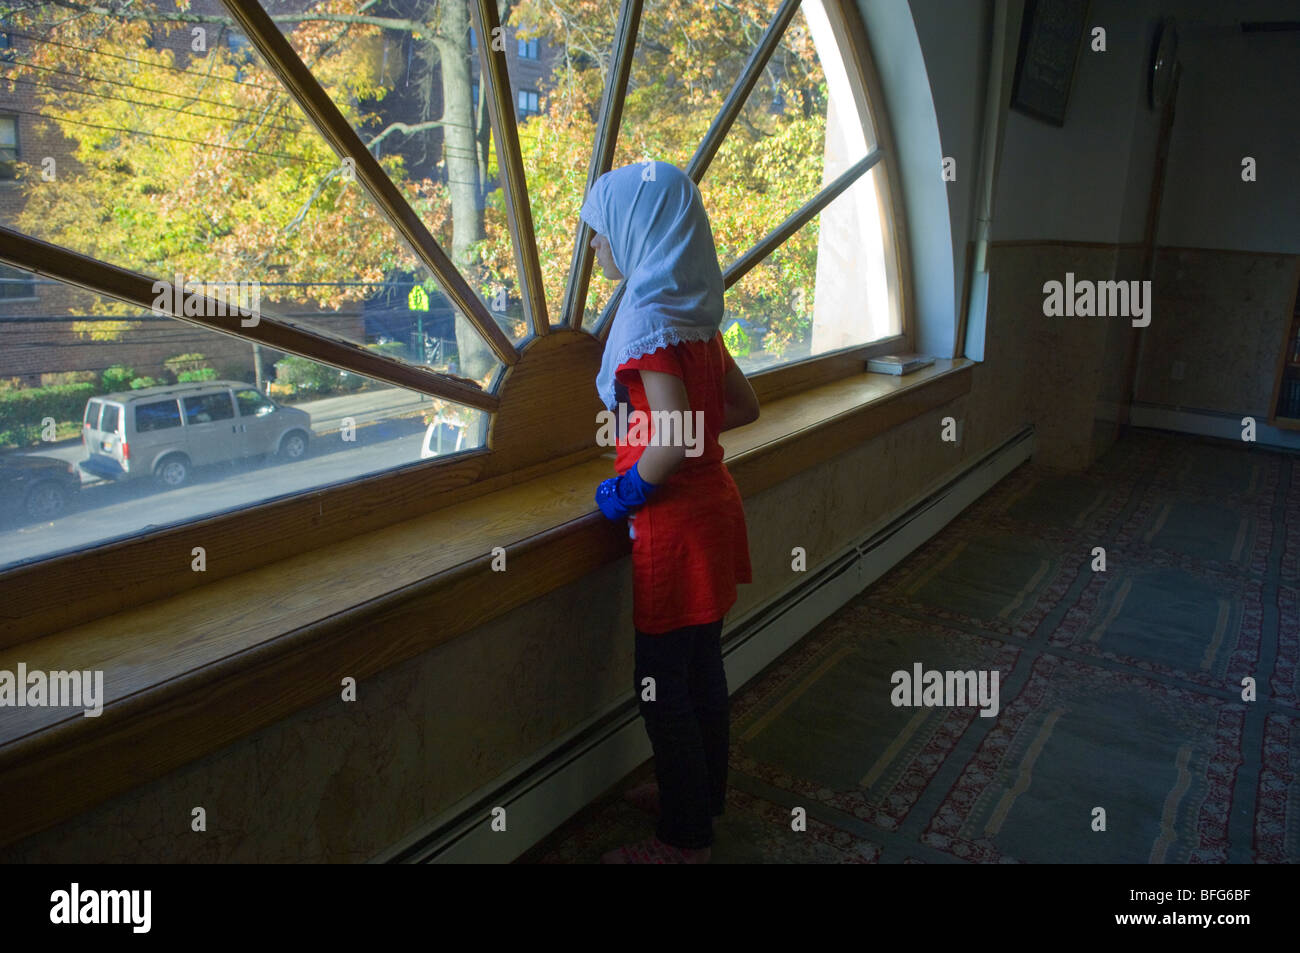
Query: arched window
[363, 219]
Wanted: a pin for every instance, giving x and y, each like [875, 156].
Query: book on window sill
[898, 363]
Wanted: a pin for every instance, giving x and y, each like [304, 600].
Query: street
[108, 510]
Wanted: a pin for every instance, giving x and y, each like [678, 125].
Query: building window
[6, 45]
[528, 102]
[8, 147]
[528, 49]
[15, 283]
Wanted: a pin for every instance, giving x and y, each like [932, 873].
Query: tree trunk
[460, 151]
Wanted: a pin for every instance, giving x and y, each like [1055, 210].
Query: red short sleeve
[665, 359]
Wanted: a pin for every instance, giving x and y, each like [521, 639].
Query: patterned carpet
[1119, 690]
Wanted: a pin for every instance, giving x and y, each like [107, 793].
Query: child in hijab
[666, 359]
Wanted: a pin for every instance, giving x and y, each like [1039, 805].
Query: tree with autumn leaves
[191, 158]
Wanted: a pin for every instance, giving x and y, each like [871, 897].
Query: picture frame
[1051, 35]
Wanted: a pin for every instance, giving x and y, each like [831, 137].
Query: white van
[164, 432]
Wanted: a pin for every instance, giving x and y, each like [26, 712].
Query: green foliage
[21, 411]
[139, 383]
[118, 377]
[737, 340]
[307, 378]
[202, 374]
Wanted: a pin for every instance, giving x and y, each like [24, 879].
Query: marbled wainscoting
[1070, 367]
[1223, 315]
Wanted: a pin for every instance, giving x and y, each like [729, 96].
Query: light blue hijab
[660, 238]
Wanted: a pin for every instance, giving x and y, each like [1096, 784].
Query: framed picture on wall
[1050, 37]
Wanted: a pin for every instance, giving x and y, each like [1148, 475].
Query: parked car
[163, 433]
[37, 488]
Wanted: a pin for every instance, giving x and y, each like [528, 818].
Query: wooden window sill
[187, 675]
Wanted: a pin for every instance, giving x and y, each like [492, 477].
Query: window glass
[8, 147]
[251, 403]
[352, 426]
[16, 283]
[112, 416]
[557, 140]
[800, 128]
[827, 287]
[217, 180]
[407, 91]
[207, 408]
[159, 415]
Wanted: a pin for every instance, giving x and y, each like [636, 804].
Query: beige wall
[1224, 315]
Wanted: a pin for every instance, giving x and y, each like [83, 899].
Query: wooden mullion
[338, 132]
[602, 155]
[97, 277]
[506, 130]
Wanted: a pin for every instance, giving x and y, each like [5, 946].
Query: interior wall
[1225, 272]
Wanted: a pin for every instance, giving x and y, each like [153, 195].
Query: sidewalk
[364, 407]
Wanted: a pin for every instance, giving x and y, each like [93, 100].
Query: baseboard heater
[1211, 423]
[539, 795]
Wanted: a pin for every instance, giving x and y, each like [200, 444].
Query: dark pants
[689, 727]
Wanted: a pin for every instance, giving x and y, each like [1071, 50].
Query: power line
[136, 102]
[128, 59]
[115, 82]
[159, 135]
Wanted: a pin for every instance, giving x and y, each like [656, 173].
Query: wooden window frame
[553, 368]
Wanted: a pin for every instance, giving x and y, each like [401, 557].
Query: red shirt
[690, 547]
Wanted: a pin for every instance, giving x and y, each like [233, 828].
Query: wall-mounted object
[1050, 36]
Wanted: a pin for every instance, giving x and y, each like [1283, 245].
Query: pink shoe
[655, 851]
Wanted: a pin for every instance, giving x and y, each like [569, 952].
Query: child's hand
[618, 496]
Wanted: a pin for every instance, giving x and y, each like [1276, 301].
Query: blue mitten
[618, 496]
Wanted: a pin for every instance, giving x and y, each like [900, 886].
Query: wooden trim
[964, 313]
[338, 132]
[250, 671]
[519, 211]
[800, 217]
[602, 156]
[77, 270]
[744, 85]
[788, 379]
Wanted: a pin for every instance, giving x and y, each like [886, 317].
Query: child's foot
[645, 797]
[655, 851]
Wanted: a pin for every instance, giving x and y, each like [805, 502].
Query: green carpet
[1119, 690]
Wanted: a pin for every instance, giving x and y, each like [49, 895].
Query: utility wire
[128, 59]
